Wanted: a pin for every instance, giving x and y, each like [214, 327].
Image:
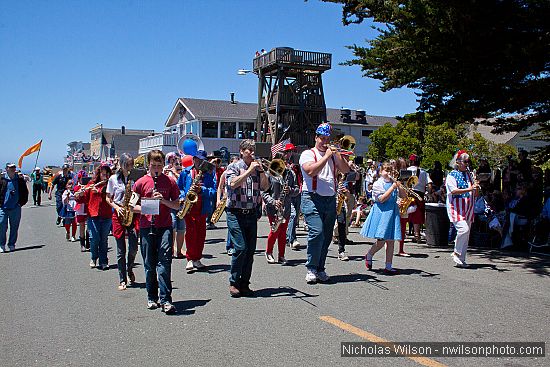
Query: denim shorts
[177, 224]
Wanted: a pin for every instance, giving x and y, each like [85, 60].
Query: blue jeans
[228, 244]
[294, 219]
[59, 202]
[156, 250]
[320, 215]
[13, 216]
[243, 234]
[99, 228]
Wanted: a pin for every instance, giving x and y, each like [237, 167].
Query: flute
[95, 186]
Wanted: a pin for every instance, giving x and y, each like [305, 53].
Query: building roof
[208, 108]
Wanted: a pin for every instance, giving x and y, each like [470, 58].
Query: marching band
[194, 190]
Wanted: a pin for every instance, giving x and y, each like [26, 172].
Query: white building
[225, 123]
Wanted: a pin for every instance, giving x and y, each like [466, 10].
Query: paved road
[56, 311]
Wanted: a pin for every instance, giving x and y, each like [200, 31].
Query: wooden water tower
[291, 102]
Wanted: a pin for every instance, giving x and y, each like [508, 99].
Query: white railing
[164, 142]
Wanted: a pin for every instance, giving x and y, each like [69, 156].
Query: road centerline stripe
[428, 362]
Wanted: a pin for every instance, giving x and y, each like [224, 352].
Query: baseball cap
[413, 157]
[37, 168]
[10, 165]
[323, 129]
[65, 166]
[289, 146]
[200, 154]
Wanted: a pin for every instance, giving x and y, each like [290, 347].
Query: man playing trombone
[319, 167]
[245, 179]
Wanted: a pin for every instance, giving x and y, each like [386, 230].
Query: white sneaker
[190, 266]
[295, 245]
[457, 260]
[343, 257]
[270, 259]
[311, 277]
[93, 264]
[73, 239]
[3, 249]
[197, 264]
[322, 276]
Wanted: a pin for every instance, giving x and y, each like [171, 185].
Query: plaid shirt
[247, 195]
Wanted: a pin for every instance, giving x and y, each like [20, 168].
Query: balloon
[190, 147]
[187, 161]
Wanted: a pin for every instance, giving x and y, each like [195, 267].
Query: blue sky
[67, 65]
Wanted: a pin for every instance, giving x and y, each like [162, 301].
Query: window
[366, 133]
[228, 130]
[209, 129]
[247, 130]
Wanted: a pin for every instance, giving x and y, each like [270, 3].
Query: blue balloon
[190, 147]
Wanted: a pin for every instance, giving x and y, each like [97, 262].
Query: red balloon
[187, 161]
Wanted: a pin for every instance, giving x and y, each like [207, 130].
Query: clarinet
[154, 189]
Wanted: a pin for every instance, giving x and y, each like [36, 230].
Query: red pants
[279, 235]
[68, 226]
[195, 234]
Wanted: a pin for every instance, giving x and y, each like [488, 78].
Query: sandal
[122, 286]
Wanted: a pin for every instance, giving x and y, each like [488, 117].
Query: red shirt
[169, 190]
[96, 201]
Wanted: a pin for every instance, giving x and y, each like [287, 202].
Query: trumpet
[345, 144]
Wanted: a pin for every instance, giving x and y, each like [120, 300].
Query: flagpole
[37, 155]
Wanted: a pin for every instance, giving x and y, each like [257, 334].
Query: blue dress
[383, 221]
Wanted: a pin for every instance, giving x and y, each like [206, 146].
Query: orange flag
[35, 148]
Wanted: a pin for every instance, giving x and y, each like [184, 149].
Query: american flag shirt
[461, 206]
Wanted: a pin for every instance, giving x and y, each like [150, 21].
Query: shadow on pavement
[211, 241]
[295, 262]
[185, 308]
[34, 247]
[218, 268]
[283, 292]
[355, 277]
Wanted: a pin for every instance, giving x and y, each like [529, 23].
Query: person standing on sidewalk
[13, 195]
[245, 178]
[319, 167]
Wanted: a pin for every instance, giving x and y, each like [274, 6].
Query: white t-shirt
[325, 178]
[423, 179]
[116, 188]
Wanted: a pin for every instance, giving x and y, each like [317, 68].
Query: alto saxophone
[191, 197]
[279, 217]
[216, 215]
[127, 214]
[341, 199]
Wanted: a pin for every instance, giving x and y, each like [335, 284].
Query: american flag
[461, 206]
[279, 146]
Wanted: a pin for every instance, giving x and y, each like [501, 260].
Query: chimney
[345, 114]
[123, 130]
[232, 98]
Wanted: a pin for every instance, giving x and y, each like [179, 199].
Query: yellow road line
[428, 362]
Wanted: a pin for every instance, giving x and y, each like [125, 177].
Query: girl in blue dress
[383, 222]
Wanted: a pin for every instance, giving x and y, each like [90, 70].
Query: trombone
[275, 167]
[345, 144]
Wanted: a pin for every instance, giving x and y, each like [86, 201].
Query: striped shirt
[247, 195]
[461, 206]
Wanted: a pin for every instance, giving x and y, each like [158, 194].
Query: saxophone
[191, 197]
[219, 210]
[128, 214]
[341, 199]
[279, 218]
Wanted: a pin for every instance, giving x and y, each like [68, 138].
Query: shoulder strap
[314, 178]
